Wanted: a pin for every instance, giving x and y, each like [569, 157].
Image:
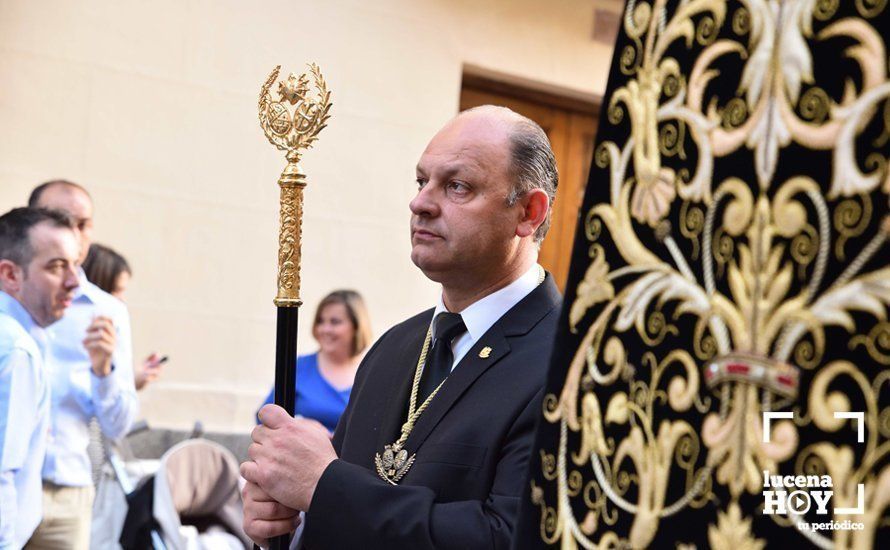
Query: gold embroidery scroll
[720, 377]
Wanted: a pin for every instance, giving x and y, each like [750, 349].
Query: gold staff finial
[292, 123]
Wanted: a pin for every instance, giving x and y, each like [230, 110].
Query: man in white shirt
[38, 262]
[85, 383]
[432, 449]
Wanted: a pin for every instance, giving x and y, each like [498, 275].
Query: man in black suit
[433, 447]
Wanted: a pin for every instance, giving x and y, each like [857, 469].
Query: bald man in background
[87, 381]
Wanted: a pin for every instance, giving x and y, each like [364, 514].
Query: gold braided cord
[413, 414]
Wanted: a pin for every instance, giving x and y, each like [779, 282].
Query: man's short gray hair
[533, 166]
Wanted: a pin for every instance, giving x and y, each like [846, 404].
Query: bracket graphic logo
[797, 495]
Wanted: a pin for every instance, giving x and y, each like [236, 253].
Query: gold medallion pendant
[394, 463]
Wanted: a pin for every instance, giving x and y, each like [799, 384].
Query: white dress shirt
[482, 314]
[78, 394]
[24, 421]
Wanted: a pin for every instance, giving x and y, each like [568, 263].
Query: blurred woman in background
[110, 271]
[342, 329]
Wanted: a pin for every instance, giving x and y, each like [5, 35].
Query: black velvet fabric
[798, 235]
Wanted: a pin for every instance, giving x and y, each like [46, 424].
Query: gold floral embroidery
[732, 532]
[756, 284]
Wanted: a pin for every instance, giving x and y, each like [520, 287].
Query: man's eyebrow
[449, 170]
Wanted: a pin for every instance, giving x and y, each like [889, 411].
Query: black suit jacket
[472, 444]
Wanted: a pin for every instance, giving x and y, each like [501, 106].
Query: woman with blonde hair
[342, 329]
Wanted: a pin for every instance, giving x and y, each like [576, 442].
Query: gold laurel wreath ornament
[292, 124]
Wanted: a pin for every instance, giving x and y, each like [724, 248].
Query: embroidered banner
[721, 373]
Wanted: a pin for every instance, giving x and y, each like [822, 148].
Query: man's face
[461, 226]
[45, 287]
[79, 208]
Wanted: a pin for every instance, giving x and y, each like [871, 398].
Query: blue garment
[78, 394]
[316, 397]
[24, 421]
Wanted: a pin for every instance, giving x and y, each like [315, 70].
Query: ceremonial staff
[292, 123]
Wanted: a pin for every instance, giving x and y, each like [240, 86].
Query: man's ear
[535, 206]
[11, 276]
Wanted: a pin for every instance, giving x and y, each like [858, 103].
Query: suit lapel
[465, 373]
[400, 382]
[517, 321]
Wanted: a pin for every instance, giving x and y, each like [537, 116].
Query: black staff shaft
[285, 379]
[286, 358]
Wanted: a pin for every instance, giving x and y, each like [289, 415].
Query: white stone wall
[152, 106]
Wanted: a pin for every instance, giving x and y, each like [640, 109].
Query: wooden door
[571, 132]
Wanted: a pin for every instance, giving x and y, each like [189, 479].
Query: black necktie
[438, 363]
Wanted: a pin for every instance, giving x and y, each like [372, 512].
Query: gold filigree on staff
[292, 124]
